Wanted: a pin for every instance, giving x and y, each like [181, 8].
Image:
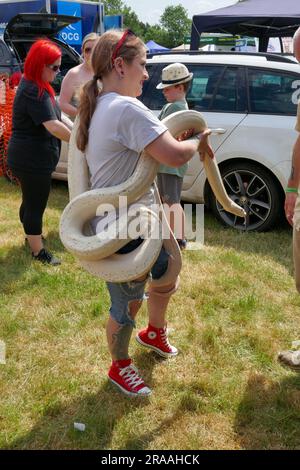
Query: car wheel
[253, 188]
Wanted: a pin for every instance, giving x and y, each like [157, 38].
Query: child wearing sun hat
[174, 83]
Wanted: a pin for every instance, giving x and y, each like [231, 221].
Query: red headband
[120, 43]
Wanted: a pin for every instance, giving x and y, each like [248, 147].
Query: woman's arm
[66, 93]
[294, 178]
[58, 129]
[67, 121]
[293, 182]
[169, 151]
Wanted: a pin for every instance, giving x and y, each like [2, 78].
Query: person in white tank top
[76, 77]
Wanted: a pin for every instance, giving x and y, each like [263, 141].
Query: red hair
[42, 52]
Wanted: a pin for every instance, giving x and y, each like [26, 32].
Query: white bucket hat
[174, 74]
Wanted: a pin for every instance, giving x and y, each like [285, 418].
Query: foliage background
[174, 24]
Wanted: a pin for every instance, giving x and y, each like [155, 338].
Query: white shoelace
[131, 376]
[165, 339]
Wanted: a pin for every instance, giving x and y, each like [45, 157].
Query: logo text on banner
[72, 34]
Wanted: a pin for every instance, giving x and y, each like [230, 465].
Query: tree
[176, 23]
[130, 18]
[157, 34]
[173, 26]
[113, 7]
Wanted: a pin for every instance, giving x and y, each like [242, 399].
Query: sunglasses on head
[120, 43]
[55, 68]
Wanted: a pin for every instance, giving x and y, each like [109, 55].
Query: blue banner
[72, 34]
[113, 21]
[89, 12]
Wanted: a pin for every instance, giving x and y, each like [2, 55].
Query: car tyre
[254, 188]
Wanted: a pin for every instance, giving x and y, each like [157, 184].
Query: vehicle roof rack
[268, 55]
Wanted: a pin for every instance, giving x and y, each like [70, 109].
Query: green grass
[236, 308]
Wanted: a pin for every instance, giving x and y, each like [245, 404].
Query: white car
[253, 97]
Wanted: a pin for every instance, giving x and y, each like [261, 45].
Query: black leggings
[35, 194]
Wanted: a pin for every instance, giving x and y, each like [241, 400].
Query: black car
[22, 30]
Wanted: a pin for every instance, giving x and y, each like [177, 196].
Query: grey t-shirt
[121, 127]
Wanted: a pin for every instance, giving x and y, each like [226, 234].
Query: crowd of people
[114, 128]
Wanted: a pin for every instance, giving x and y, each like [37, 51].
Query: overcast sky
[150, 10]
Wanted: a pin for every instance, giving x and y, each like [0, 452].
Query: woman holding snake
[114, 129]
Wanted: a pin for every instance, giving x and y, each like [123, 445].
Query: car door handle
[218, 130]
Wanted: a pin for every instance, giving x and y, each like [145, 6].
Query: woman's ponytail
[87, 106]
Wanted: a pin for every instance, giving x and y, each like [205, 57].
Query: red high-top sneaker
[156, 339]
[125, 376]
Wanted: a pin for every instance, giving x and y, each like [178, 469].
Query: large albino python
[98, 254]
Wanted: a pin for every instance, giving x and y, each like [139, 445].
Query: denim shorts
[122, 293]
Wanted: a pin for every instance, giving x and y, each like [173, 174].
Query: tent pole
[281, 45]
[263, 44]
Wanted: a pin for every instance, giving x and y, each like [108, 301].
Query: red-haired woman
[34, 146]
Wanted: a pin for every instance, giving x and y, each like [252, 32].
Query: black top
[32, 149]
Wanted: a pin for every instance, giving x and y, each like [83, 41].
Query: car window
[271, 92]
[217, 88]
[151, 97]
[203, 87]
[201, 91]
[3, 53]
[230, 95]
[21, 49]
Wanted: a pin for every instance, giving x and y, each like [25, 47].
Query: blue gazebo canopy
[154, 47]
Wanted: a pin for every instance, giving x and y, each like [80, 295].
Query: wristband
[291, 190]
